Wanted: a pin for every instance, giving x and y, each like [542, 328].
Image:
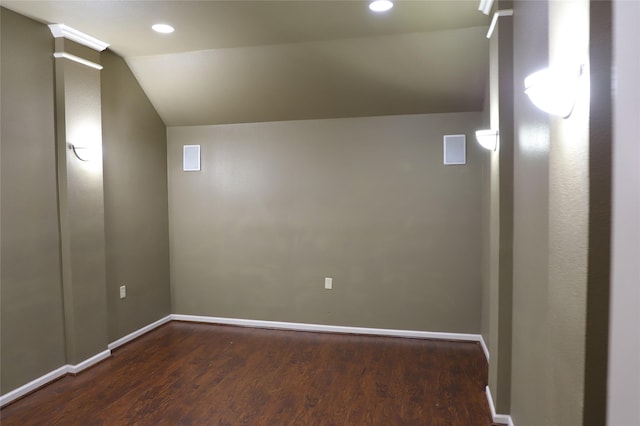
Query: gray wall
[32, 338]
[80, 203]
[279, 206]
[40, 217]
[551, 214]
[135, 193]
[624, 347]
[600, 40]
[490, 217]
[498, 223]
[531, 348]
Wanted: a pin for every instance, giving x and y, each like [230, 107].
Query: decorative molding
[33, 385]
[485, 6]
[494, 20]
[502, 419]
[328, 328]
[485, 349]
[61, 30]
[131, 336]
[77, 59]
[75, 369]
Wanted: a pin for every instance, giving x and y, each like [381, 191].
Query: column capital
[61, 30]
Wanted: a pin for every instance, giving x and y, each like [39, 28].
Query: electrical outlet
[123, 291]
[328, 283]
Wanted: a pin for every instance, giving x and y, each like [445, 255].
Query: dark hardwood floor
[202, 374]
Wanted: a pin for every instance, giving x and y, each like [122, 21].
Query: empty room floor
[202, 374]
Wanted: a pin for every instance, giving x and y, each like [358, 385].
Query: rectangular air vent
[455, 151]
[191, 158]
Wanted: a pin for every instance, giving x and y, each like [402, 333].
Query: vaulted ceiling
[250, 61]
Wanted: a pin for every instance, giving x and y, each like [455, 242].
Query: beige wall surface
[531, 356]
[600, 116]
[551, 211]
[32, 336]
[486, 235]
[59, 304]
[491, 222]
[81, 206]
[280, 206]
[135, 192]
[498, 249]
[569, 212]
[624, 348]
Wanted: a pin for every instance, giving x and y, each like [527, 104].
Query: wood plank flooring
[202, 374]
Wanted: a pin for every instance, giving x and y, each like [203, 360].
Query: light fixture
[163, 28]
[554, 90]
[83, 153]
[380, 5]
[487, 138]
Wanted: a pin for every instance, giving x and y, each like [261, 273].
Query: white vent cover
[191, 158]
[455, 151]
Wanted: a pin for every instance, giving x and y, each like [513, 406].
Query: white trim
[502, 419]
[61, 30]
[129, 337]
[51, 376]
[494, 20]
[485, 349]
[33, 385]
[77, 59]
[328, 328]
[75, 369]
[485, 6]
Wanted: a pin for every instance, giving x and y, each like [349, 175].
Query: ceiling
[251, 61]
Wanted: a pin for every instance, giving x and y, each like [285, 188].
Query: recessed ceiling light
[380, 5]
[163, 28]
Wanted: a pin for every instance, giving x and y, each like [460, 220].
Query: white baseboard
[77, 368]
[485, 349]
[33, 385]
[50, 377]
[295, 326]
[502, 419]
[129, 337]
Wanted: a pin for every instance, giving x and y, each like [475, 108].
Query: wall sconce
[380, 5]
[487, 138]
[553, 90]
[83, 153]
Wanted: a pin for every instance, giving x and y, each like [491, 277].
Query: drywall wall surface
[487, 213]
[277, 207]
[491, 248]
[531, 351]
[505, 319]
[569, 193]
[32, 335]
[136, 210]
[624, 347]
[600, 73]
[500, 224]
[551, 231]
[81, 204]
